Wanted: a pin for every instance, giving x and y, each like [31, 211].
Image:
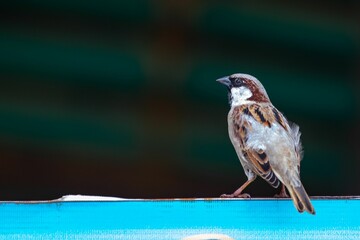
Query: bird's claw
[281, 195]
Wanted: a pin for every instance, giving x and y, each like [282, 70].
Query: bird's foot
[281, 195]
[242, 195]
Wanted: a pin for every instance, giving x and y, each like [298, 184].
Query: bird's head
[244, 89]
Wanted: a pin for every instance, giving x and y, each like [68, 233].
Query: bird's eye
[238, 81]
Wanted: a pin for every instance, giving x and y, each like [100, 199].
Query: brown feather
[279, 118]
[257, 95]
[258, 158]
[263, 167]
[299, 206]
[301, 199]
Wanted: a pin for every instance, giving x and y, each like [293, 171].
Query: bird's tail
[301, 199]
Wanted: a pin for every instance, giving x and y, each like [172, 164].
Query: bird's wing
[260, 162]
[257, 158]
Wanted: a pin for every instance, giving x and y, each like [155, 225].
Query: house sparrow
[266, 144]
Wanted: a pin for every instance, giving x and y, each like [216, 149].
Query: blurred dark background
[119, 98]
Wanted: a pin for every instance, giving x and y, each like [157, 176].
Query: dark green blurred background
[119, 97]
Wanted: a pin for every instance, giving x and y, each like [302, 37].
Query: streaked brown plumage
[267, 146]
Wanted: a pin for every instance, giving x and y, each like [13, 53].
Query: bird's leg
[282, 193]
[238, 193]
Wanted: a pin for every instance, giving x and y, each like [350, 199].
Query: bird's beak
[225, 81]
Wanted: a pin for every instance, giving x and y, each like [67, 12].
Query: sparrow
[266, 144]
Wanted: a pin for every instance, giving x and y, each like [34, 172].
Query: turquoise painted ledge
[179, 219]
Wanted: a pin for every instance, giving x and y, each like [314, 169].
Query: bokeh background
[119, 98]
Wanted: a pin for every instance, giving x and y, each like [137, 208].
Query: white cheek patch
[240, 96]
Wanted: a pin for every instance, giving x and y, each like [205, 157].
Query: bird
[266, 143]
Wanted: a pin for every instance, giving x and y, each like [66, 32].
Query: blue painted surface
[176, 219]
